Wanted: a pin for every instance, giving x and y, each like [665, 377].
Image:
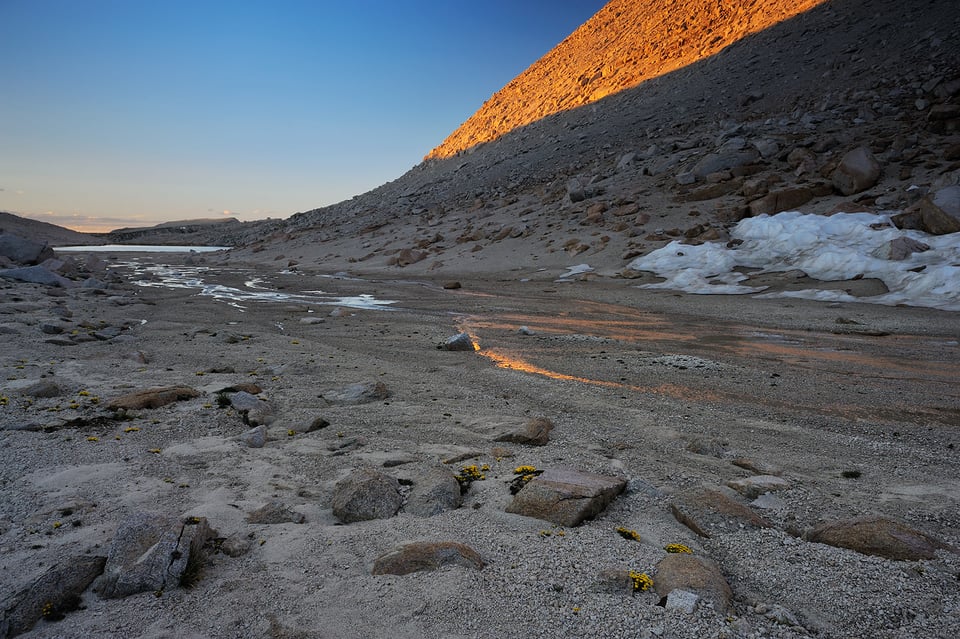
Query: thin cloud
[89, 223]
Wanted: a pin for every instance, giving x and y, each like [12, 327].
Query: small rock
[536, 432]
[426, 555]
[152, 398]
[900, 249]
[317, 424]
[710, 446]
[626, 160]
[255, 437]
[247, 387]
[108, 333]
[727, 158]
[695, 575]
[752, 487]
[235, 546]
[682, 600]
[781, 200]
[43, 388]
[710, 191]
[359, 393]
[275, 512]
[242, 401]
[615, 581]
[754, 466]
[458, 342]
[782, 616]
[767, 148]
[52, 327]
[768, 501]
[407, 257]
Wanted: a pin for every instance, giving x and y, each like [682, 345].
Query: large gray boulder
[55, 593]
[20, 250]
[938, 214]
[708, 511]
[725, 159]
[366, 494]
[151, 553]
[566, 497]
[36, 275]
[857, 171]
[878, 536]
[435, 490]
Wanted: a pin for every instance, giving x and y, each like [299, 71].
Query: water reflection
[571, 346]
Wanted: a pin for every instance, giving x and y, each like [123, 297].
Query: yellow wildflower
[678, 548]
[627, 533]
[641, 581]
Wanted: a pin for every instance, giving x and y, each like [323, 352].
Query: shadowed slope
[625, 43]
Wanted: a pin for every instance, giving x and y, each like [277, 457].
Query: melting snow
[837, 247]
[575, 270]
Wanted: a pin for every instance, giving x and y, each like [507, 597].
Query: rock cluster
[25, 260]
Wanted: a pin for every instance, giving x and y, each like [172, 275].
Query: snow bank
[837, 247]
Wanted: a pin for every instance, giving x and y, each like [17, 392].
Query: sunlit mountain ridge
[624, 44]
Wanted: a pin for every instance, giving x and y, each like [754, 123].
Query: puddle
[138, 248]
[697, 347]
[254, 289]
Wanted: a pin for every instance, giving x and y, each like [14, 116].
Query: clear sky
[132, 112]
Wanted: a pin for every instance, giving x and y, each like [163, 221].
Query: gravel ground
[634, 381]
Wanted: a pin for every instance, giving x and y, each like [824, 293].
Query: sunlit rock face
[625, 43]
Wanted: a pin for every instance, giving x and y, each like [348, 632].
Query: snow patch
[837, 247]
[574, 270]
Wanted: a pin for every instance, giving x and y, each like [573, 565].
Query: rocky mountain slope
[622, 176]
[624, 44]
[177, 232]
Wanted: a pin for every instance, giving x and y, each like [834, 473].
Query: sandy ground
[662, 389]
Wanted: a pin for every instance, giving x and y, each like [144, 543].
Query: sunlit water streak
[840, 356]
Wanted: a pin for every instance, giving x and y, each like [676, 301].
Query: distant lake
[139, 248]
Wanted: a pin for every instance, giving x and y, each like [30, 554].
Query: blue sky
[129, 112]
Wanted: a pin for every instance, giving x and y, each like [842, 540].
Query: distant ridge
[622, 45]
[44, 231]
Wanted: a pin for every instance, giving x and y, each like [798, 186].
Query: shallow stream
[253, 289]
